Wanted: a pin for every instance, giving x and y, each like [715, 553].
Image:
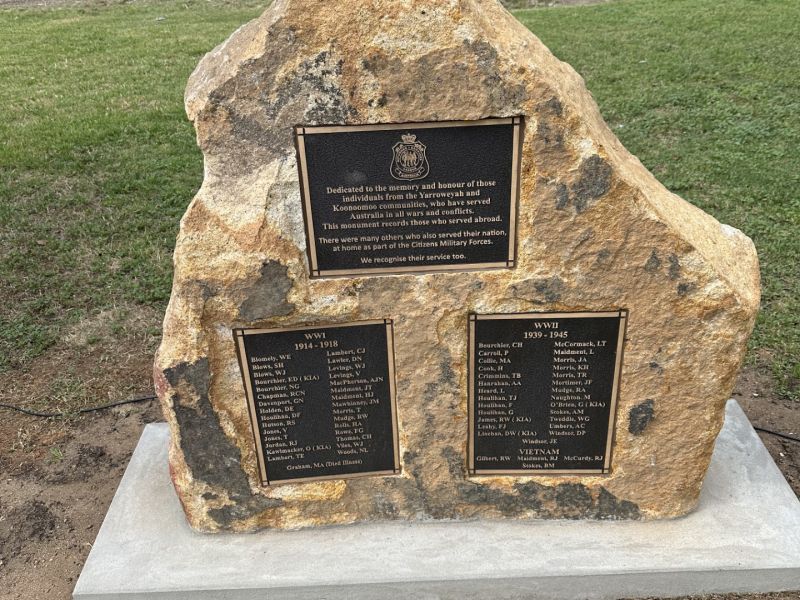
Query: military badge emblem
[409, 160]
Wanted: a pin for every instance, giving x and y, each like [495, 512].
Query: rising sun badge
[409, 160]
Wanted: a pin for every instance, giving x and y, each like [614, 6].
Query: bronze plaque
[543, 392]
[411, 197]
[322, 400]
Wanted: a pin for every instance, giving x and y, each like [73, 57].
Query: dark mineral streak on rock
[653, 263]
[210, 455]
[603, 257]
[379, 102]
[455, 463]
[594, 181]
[448, 377]
[532, 494]
[610, 507]
[267, 297]
[573, 500]
[562, 196]
[318, 75]
[685, 288]
[254, 139]
[550, 288]
[551, 136]
[242, 508]
[207, 290]
[639, 416]
[414, 465]
[484, 52]
[656, 367]
[674, 266]
[501, 93]
[565, 501]
[426, 89]
[205, 447]
[549, 130]
[372, 63]
[509, 505]
[541, 291]
[437, 502]
[554, 106]
[405, 488]
[384, 508]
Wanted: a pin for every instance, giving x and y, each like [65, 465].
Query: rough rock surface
[596, 231]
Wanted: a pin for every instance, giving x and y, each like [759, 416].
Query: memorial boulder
[422, 279]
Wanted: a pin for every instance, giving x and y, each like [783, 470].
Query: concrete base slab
[744, 537]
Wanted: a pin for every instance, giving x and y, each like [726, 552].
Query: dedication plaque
[410, 198]
[322, 400]
[543, 391]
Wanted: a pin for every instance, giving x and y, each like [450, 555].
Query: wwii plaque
[542, 391]
[414, 197]
[322, 400]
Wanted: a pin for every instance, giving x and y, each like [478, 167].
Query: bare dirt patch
[52, 507]
[57, 476]
[101, 359]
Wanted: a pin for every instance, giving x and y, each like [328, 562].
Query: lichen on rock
[596, 231]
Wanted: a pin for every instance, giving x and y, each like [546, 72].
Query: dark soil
[52, 508]
[57, 476]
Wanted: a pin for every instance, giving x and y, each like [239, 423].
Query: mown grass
[97, 160]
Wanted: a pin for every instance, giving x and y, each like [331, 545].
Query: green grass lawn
[98, 162]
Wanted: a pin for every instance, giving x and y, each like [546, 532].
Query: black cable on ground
[36, 413]
[777, 434]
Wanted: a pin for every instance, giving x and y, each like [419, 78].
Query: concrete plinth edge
[743, 537]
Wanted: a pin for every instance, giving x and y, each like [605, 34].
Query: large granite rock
[596, 231]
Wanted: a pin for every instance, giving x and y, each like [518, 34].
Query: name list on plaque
[542, 392]
[321, 400]
[414, 197]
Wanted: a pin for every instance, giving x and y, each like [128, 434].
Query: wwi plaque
[414, 197]
[543, 391]
[322, 400]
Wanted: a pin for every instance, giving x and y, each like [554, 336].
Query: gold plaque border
[612, 414]
[239, 334]
[300, 131]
